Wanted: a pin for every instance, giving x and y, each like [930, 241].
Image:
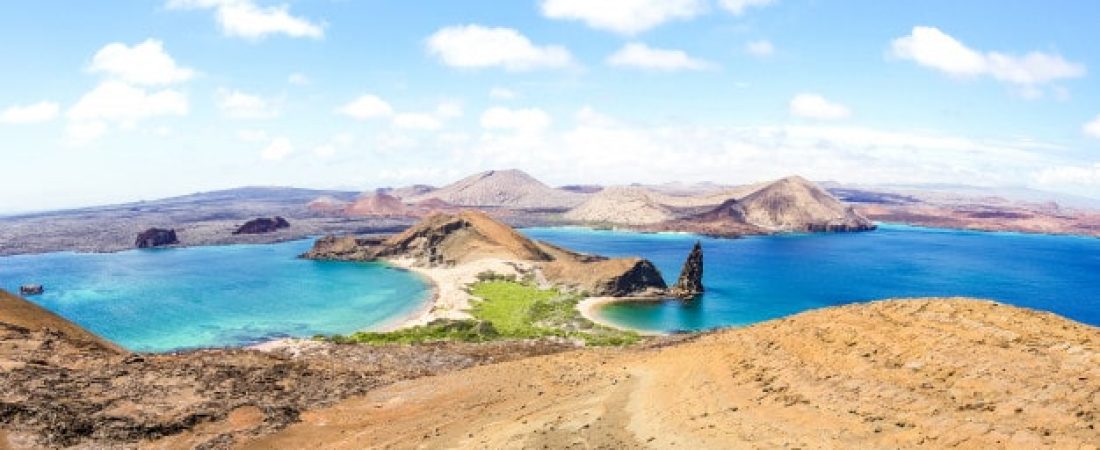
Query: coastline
[589, 309]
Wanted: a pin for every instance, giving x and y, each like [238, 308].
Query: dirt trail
[936, 373]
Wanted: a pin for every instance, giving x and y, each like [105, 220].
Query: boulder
[31, 289]
[690, 283]
[156, 237]
[262, 225]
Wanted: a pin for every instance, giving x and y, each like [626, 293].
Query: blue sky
[143, 99]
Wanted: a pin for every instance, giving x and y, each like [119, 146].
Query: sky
[105, 102]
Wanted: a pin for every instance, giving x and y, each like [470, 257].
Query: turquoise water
[168, 299]
[759, 278]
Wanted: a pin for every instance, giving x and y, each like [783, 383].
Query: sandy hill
[455, 239]
[630, 205]
[503, 188]
[410, 191]
[932, 373]
[377, 203]
[24, 315]
[327, 204]
[796, 204]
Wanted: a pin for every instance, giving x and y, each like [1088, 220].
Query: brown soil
[944, 373]
[989, 218]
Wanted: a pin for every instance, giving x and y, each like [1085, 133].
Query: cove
[234, 295]
[758, 278]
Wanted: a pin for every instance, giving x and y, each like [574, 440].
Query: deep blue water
[759, 278]
[158, 300]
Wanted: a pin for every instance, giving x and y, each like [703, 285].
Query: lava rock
[690, 283]
[262, 225]
[156, 237]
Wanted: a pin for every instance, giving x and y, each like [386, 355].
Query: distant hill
[788, 204]
[797, 204]
[503, 188]
[629, 205]
[377, 204]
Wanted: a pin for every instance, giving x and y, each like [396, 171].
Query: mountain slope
[21, 313]
[377, 204]
[796, 204]
[628, 205]
[502, 188]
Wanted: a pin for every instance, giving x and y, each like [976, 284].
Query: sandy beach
[589, 309]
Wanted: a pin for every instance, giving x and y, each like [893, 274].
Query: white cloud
[298, 79]
[252, 135]
[930, 47]
[115, 102]
[417, 121]
[449, 110]
[527, 120]
[475, 46]
[813, 106]
[278, 149]
[246, 19]
[499, 93]
[324, 151]
[83, 132]
[623, 16]
[1070, 177]
[760, 48]
[641, 56]
[235, 104]
[143, 64]
[30, 114]
[367, 107]
[1092, 128]
[738, 7]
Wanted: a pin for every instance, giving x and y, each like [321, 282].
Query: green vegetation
[508, 309]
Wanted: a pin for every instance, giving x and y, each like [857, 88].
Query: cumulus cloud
[30, 114]
[252, 135]
[143, 64]
[622, 16]
[738, 7]
[639, 55]
[475, 47]
[760, 48]
[235, 104]
[278, 149]
[449, 110]
[524, 120]
[246, 19]
[931, 47]
[814, 106]
[1092, 128]
[120, 104]
[367, 107]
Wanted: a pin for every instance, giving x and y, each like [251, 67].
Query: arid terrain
[788, 204]
[880, 375]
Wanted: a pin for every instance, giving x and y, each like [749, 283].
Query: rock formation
[628, 205]
[31, 289]
[690, 283]
[446, 240]
[263, 225]
[156, 237]
[327, 205]
[503, 188]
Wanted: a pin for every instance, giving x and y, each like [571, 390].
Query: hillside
[377, 203]
[796, 204]
[627, 205]
[503, 188]
[25, 315]
[930, 373]
[461, 240]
